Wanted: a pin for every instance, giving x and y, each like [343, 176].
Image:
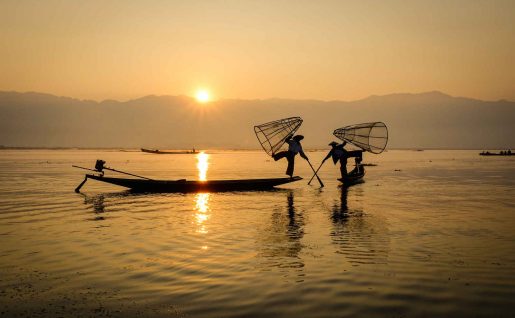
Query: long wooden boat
[164, 152]
[353, 178]
[183, 185]
[496, 154]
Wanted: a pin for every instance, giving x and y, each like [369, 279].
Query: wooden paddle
[316, 172]
[319, 180]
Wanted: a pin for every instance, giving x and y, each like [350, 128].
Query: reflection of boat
[502, 153]
[164, 152]
[146, 185]
[355, 176]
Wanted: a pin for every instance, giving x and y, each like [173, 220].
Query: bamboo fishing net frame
[372, 137]
[272, 135]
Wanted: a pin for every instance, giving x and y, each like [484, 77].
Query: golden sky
[258, 49]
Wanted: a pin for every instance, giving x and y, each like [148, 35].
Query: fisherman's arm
[302, 154]
[329, 154]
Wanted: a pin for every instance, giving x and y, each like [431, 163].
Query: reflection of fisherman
[294, 148]
[338, 153]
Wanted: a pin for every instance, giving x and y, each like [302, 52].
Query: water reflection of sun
[202, 209]
[202, 199]
[202, 165]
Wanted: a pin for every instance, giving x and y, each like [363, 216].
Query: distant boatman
[338, 153]
[294, 148]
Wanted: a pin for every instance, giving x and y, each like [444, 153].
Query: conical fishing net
[371, 137]
[272, 135]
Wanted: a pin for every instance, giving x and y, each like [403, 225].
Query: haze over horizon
[426, 120]
[219, 99]
[326, 50]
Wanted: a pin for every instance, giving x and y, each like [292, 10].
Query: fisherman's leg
[280, 155]
[343, 167]
[291, 164]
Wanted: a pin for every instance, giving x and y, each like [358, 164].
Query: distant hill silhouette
[426, 120]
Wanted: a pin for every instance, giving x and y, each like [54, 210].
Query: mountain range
[424, 120]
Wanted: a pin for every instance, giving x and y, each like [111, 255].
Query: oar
[320, 181]
[85, 168]
[130, 174]
[316, 172]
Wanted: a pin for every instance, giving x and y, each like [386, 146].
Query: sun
[202, 96]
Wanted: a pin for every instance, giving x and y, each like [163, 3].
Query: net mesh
[272, 135]
[371, 137]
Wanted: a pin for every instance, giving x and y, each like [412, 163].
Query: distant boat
[161, 152]
[502, 153]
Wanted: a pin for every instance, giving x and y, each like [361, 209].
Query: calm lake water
[428, 234]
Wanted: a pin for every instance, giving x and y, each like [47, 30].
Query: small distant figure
[509, 152]
[99, 165]
[294, 148]
[338, 153]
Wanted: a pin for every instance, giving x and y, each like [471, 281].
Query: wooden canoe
[353, 178]
[143, 185]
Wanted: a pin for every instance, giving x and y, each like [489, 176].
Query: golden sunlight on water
[201, 209]
[202, 165]
[435, 239]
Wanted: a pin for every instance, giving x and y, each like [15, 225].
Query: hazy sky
[258, 49]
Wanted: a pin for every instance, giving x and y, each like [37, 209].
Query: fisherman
[294, 148]
[338, 153]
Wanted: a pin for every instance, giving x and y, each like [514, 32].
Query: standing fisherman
[338, 153]
[294, 148]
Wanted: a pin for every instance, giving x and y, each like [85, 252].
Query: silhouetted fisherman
[294, 148]
[338, 153]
